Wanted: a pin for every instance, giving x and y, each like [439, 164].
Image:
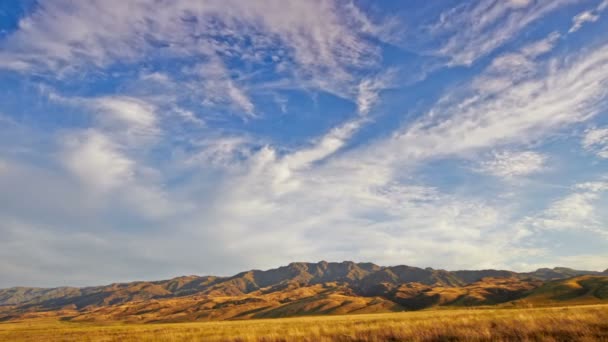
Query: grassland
[580, 323]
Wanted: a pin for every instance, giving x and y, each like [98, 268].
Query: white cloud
[368, 89]
[332, 212]
[475, 29]
[127, 120]
[589, 16]
[240, 98]
[105, 170]
[225, 152]
[577, 211]
[326, 146]
[189, 117]
[317, 41]
[509, 164]
[229, 198]
[596, 141]
[357, 188]
[96, 160]
[580, 19]
[321, 204]
[540, 47]
[558, 95]
[510, 68]
[594, 187]
[218, 88]
[136, 115]
[364, 196]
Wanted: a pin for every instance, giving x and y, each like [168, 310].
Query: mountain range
[305, 289]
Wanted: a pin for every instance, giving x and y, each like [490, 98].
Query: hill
[304, 289]
[586, 289]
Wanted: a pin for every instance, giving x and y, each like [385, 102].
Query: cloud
[330, 212]
[107, 172]
[577, 211]
[509, 164]
[113, 110]
[559, 94]
[152, 182]
[317, 41]
[509, 68]
[364, 195]
[473, 30]
[580, 19]
[540, 47]
[224, 152]
[137, 116]
[316, 45]
[96, 160]
[589, 16]
[216, 87]
[130, 120]
[368, 89]
[596, 141]
[189, 116]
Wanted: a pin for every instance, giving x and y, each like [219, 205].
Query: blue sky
[150, 139]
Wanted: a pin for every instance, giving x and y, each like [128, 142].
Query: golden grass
[576, 323]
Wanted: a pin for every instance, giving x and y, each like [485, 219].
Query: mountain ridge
[304, 273]
[297, 288]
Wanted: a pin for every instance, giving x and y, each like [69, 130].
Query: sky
[143, 140]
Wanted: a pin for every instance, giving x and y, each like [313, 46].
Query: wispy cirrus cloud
[589, 16]
[510, 164]
[596, 140]
[307, 39]
[559, 93]
[475, 29]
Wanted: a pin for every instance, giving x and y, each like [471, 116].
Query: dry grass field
[574, 323]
